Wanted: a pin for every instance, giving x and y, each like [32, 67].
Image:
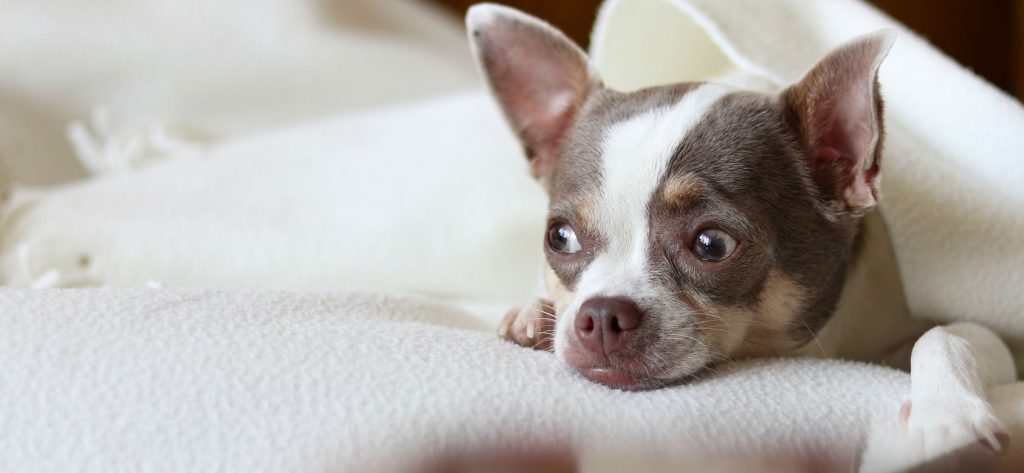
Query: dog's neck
[872, 321]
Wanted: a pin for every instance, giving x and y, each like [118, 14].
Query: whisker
[814, 337]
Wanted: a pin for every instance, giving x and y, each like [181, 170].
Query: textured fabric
[205, 380]
[199, 380]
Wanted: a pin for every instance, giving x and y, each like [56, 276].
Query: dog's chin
[629, 371]
[628, 378]
[620, 379]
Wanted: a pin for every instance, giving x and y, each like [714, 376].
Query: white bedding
[200, 380]
[446, 210]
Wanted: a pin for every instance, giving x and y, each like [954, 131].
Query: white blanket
[198, 380]
[431, 198]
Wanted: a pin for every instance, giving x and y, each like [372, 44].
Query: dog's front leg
[532, 325]
[951, 368]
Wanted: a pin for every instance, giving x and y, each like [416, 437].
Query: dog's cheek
[669, 339]
[724, 329]
[560, 295]
[772, 327]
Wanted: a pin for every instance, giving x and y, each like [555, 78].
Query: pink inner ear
[841, 118]
[540, 107]
[540, 78]
[846, 138]
[849, 121]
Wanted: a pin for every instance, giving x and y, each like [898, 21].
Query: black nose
[604, 324]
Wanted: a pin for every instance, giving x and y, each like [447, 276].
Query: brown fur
[682, 191]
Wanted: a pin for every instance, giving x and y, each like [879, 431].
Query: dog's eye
[562, 239]
[713, 245]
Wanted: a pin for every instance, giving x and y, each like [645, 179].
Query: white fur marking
[635, 153]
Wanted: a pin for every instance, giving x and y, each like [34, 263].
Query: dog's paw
[531, 326]
[939, 426]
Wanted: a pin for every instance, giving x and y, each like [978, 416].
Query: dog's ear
[838, 109]
[539, 76]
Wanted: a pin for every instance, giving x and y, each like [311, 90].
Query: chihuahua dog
[695, 223]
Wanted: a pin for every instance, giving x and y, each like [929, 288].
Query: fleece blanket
[339, 203]
[202, 380]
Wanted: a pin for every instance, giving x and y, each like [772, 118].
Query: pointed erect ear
[539, 77]
[839, 113]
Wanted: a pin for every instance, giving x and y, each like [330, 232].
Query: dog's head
[688, 223]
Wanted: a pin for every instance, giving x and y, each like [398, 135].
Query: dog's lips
[618, 378]
[614, 373]
[622, 370]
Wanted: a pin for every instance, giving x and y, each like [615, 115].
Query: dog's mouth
[619, 378]
[637, 360]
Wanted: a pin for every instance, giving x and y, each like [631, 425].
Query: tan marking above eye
[680, 191]
[584, 208]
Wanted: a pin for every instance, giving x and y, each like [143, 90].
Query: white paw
[940, 426]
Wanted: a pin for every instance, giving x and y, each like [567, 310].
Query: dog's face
[688, 223]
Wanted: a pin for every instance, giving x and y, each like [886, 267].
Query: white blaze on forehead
[635, 156]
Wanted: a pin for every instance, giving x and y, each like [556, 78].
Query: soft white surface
[206, 380]
[200, 380]
[203, 70]
[432, 198]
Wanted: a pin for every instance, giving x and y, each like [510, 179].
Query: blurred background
[81, 82]
[986, 36]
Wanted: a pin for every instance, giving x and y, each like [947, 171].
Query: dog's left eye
[562, 239]
[713, 245]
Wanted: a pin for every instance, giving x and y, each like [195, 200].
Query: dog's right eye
[562, 239]
[714, 245]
